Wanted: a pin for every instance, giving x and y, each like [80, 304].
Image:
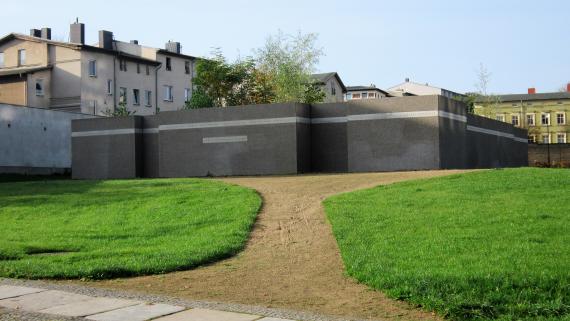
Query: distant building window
[515, 120]
[39, 87]
[187, 67]
[561, 138]
[122, 64]
[355, 96]
[560, 118]
[545, 119]
[136, 97]
[138, 68]
[187, 94]
[530, 119]
[371, 95]
[545, 139]
[168, 93]
[123, 95]
[500, 118]
[532, 138]
[147, 70]
[348, 96]
[168, 64]
[1, 60]
[333, 89]
[21, 57]
[148, 98]
[92, 68]
[109, 87]
[364, 95]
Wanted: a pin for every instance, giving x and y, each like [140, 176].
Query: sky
[441, 42]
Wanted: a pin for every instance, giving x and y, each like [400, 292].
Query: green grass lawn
[106, 229]
[490, 245]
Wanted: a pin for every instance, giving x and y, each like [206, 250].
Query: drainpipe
[156, 87]
[114, 82]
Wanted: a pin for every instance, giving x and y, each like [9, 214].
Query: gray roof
[324, 77]
[531, 97]
[361, 88]
[22, 71]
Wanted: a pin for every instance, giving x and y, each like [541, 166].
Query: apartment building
[417, 89]
[365, 92]
[544, 115]
[331, 85]
[37, 71]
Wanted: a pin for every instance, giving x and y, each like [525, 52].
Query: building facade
[38, 72]
[417, 89]
[331, 84]
[544, 115]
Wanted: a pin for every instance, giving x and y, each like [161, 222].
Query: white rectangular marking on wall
[224, 139]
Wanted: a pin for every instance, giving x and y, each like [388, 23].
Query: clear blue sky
[522, 43]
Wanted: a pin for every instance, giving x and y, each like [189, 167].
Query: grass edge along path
[65, 229]
[489, 245]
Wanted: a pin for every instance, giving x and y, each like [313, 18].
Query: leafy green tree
[199, 99]
[120, 111]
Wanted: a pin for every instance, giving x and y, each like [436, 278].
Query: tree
[199, 99]
[120, 111]
[487, 102]
[289, 61]
[564, 88]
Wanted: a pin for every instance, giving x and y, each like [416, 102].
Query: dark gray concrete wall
[452, 134]
[559, 155]
[329, 144]
[107, 148]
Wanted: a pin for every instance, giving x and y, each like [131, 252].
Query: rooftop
[531, 97]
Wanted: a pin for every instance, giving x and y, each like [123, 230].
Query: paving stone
[42, 300]
[208, 315]
[138, 312]
[10, 291]
[274, 319]
[89, 307]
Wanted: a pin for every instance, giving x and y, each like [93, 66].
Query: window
[500, 118]
[532, 139]
[168, 93]
[364, 95]
[371, 95]
[333, 90]
[545, 139]
[92, 68]
[1, 60]
[168, 64]
[138, 68]
[561, 138]
[109, 87]
[545, 119]
[122, 65]
[530, 121]
[147, 70]
[560, 118]
[187, 94]
[136, 97]
[355, 96]
[187, 67]
[148, 98]
[21, 57]
[123, 95]
[39, 87]
[348, 96]
[515, 120]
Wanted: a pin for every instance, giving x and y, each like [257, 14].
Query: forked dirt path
[292, 259]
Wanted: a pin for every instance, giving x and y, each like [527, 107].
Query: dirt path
[292, 259]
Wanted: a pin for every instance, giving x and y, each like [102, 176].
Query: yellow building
[544, 115]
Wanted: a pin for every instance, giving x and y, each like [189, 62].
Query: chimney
[35, 33]
[568, 87]
[532, 91]
[407, 79]
[173, 47]
[105, 39]
[135, 42]
[77, 33]
[46, 33]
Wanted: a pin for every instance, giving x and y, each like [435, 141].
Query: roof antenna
[76, 19]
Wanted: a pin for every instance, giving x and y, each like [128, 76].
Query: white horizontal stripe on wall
[394, 115]
[150, 131]
[495, 133]
[233, 123]
[106, 132]
[224, 139]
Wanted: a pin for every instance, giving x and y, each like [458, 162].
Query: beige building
[36, 71]
[332, 86]
[417, 89]
[365, 92]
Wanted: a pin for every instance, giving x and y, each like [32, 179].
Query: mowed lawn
[490, 245]
[107, 229]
